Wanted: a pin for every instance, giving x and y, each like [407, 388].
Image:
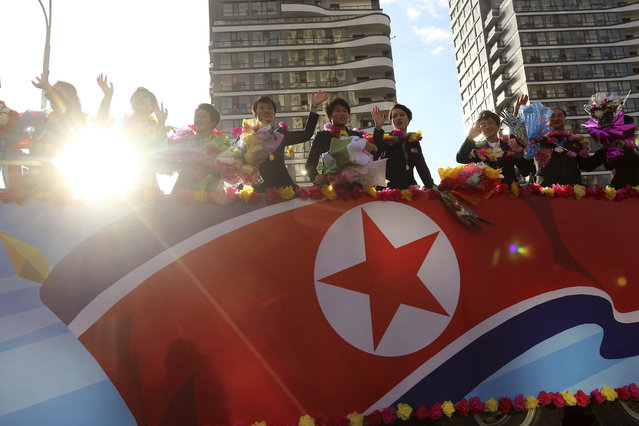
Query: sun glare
[99, 164]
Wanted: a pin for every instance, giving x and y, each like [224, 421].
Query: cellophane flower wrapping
[348, 162]
[534, 118]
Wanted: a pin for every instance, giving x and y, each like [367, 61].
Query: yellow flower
[548, 192]
[448, 408]
[609, 393]
[491, 406]
[403, 411]
[262, 423]
[245, 193]
[490, 172]
[580, 191]
[449, 172]
[569, 398]
[328, 192]
[199, 197]
[514, 188]
[306, 421]
[636, 188]
[611, 193]
[290, 150]
[407, 194]
[415, 136]
[287, 193]
[356, 418]
[531, 402]
[370, 190]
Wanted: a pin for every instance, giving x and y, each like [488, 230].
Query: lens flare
[514, 248]
[622, 281]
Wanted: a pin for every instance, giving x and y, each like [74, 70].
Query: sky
[163, 45]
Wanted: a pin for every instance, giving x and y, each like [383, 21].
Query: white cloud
[437, 50]
[429, 35]
[413, 13]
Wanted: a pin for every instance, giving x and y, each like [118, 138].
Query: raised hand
[521, 100]
[161, 113]
[107, 88]
[42, 82]
[474, 131]
[371, 147]
[318, 97]
[378, 117]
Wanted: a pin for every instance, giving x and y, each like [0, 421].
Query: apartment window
[235, 9]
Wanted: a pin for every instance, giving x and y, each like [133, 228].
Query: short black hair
[147, 92]
[485, 115]
[213, 112]
[263, 100]
[560, 109]
[404, 108]
[329, 107]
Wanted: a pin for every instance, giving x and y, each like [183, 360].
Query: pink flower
[534, 188]
[591, 192]
[598, 396]
[519, 403]
[421, 413]
[273, 195]
[284, 125]
[583, 400]
[435, 412]
[374, 418]
[558, 399]
[634, 391]
[315, 192]
[476, 406]
[560, 190]
[544, 398]
[236, 131]
[623, 393]
[506, 404]
[463, 407]
[303, 193]
[389, 415]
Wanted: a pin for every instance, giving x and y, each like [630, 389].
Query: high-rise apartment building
[559, 52]
[289, 49]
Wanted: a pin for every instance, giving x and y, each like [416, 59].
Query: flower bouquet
[348, 162]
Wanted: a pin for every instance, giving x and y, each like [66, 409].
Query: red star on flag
[389, 277]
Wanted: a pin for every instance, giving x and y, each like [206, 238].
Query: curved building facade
[289, 49]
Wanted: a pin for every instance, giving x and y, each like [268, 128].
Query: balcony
[492, 18]
[503, 100]
[497, 49]
[493, 35]
[501, 81]
[498, 66]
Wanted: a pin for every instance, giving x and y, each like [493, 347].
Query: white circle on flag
[349, 311]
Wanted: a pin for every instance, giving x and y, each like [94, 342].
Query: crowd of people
[208, 160]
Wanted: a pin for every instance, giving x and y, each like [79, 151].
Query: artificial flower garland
[541, 149]
[398, 136]
[484, 151]
[397, 415]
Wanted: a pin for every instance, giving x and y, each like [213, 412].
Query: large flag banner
[170, 314]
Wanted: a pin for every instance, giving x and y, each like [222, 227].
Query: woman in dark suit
[402, 150]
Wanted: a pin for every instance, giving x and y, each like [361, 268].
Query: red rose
[569, 190]
[591, 192]
[374, 418]
[342, 421]
[505, 405]
[435, 412]
[598, 397]
[623, 393]
[544, 398]
[634, 391]
[255, 198]
[583, 400]
[389, 415]
[621, 194]
[315, 192]
[463, 407]
[534, 188]
[476, 406]
[519, 404]
[396, 195]
[523, 192]
[421, 413]
[303, 193]
[273, 195]
[558, 399]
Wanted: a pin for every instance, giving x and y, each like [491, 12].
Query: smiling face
[489, 128]
[340, 116]
[400, 119]
[265, 112]
[203, 122]
[141, 103]
[557, 119]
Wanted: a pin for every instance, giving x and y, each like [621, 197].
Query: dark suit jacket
[397, 159]
[561, 169]
[506, 164]
[274, 171]
[625, 169]
[321, 144]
